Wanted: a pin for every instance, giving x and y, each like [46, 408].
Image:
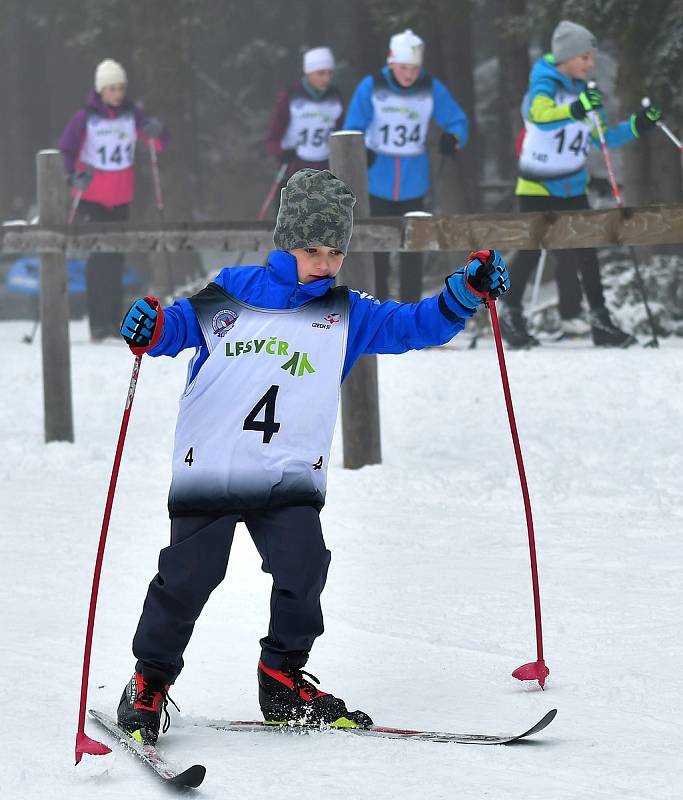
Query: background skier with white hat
[305, 114]
[98, 145]
[394, 108]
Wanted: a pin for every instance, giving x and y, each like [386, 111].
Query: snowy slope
[428, 602]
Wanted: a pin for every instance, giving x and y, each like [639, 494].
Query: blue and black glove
[152, 128]
[646, 120]
[589, 100]
[142, 324]
[484, 277]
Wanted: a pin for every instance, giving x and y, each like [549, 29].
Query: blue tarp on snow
[24, 276]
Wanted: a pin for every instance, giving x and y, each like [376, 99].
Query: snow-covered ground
[428, 603]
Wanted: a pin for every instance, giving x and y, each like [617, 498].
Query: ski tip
[192, 777]
[541, 724]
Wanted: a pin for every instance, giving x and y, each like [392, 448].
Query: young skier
[254, 432]
[553, 176]
[98, 145]
[305, 115]
[394, 109]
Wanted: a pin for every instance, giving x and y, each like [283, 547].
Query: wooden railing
[53, 240]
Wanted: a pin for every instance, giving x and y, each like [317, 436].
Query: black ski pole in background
[159, 199]
[597, 124]
[29, 337]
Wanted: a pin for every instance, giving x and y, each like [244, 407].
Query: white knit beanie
[109, 73]
[571, 39]
[406, 48]
[318, 58]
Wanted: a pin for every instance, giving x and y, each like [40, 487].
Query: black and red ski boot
[287, 696]
[142, 705]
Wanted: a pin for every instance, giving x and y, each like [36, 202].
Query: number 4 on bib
[268, 426]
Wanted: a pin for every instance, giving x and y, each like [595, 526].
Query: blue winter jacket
[374, 327]
[404, 177]
[538, 107]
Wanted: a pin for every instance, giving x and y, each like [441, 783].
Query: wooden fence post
[54, 303]
[360, 402]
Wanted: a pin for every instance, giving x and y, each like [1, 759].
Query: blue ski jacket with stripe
[404, 177]
[374, 327]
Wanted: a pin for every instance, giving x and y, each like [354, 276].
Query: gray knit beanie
[571, 39]
[316, 208]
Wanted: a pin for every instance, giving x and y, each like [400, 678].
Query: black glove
[80, 180]
[288, 156]
[589, 100]
[646, 120]
[152, 128]
[449, 144]
[370, 156]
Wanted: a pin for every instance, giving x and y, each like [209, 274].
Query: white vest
[255, 425]
[399, 122]
[109, 143]
[311, 122]
[555, 153]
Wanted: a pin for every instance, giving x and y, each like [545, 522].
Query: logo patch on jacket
[223, 321]
[330, 319]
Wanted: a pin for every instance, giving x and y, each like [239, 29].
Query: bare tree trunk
[162, 65]
[511, 43]
[452, 57]
[25, 114]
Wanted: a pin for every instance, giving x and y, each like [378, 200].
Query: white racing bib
[255, 426]
[109, 143]
[311, 122]
[399, 122]
[555, 153]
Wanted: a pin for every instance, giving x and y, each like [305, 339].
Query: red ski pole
[534, 670]
[156, 177]
[84, 744]
[271, 192]
[74, 207]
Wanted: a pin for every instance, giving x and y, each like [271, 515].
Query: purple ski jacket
[111, 187]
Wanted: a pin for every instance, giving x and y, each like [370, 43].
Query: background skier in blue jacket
[394, 109]
[558, 136]
[254, 432]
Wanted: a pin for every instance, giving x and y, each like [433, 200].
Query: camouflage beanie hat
[316, 209]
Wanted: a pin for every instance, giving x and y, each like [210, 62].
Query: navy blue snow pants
[289, 541]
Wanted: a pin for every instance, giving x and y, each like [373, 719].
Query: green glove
[645, 120]
[589, 100]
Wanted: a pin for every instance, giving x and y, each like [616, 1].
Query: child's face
[405, 74]
[320, 79]
[113, 95]
[315, 263]
[579, 67]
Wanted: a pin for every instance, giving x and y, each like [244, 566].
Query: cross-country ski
[191, 777]
[379, 732]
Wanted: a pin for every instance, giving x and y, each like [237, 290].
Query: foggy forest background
[211, 69]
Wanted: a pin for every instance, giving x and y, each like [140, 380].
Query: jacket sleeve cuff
[452, 309]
